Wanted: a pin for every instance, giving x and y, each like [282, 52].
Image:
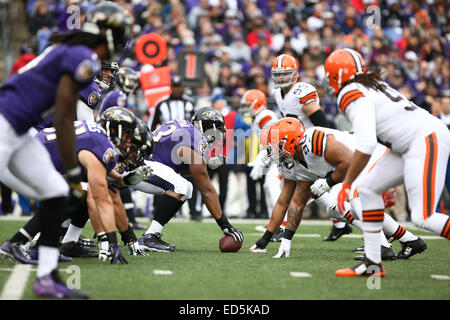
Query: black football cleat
[86, 242]
[153, 242]
[411, 248]
[276, 237]
[76, 250]
[387, 254]
[337, 233]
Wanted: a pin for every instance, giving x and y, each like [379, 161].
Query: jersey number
[165, 133]
[397, 98]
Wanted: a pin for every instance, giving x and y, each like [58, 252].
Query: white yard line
[14, 287]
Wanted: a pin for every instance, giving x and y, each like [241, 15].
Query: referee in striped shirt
[178, 106]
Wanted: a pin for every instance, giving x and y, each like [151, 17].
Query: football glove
[284, 250]
[103, 250]
[259, 246]
[135, 250]
[257, 171]
[116, 255]
[342, 197]
[228, 229]
[216, 161]
[137, 175]
[319, 187]
[235, 233]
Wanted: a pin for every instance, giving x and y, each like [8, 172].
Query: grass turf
[202, 272]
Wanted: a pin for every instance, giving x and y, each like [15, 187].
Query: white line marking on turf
[440, 277]
[16, 283]
[162, 272]
[300, 235]
[300, 274]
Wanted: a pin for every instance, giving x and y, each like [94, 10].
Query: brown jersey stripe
[313, 142]
[349, 217]
[429, 175]
[350, 99]
[263, 121]
[317, 142]
[373, 215]
[399, 233]
[312, 95]
[446, 230]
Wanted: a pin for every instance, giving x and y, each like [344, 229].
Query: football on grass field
[227, 244]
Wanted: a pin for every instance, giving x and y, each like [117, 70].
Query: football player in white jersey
[254, 104]
[419, 146]
[322, 156]
[300, 100]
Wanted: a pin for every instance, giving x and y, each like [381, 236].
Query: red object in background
[389, 198]
[156, 86]
[21, 62]
[151, 49]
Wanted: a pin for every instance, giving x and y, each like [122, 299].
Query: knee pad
[185, 189]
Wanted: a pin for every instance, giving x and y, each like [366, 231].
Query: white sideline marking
[300, 235]
[300, 274]
[162, 272]
[440, 277]
[16, 283]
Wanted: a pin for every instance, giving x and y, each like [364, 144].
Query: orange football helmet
[284, 71]
[283, 139]
[252, 102]
[341, 66]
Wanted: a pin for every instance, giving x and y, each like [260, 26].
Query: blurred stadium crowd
[410, 40]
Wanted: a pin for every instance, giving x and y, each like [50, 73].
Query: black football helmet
[111, 21]
[211, 124]
[141, 144]
[127, 79]
[116, 121]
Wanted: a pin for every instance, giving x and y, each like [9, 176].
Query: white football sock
[395, 230]
[72, 235]
[48, 260]
[372, 240]
[155, 227]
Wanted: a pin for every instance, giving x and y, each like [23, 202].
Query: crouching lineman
[97, 154]
[326, 154]
[298, 99]
[50, 82]
[419, 146]
[180, 145]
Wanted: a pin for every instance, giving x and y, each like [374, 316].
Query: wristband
[267, 235]
[330, 180]
[288, 234]
[223, 222]
[112, 239]
[128, 236]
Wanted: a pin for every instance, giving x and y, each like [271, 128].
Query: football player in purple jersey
[98, 157]
[182, 146]
[51, 84]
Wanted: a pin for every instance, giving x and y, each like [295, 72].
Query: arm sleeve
[318, 119]
[362, 115]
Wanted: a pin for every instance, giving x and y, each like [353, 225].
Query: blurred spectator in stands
[26, 55]
[41, 18]
[258, 31]
[350, 20]
[410, 66]
[239, 50]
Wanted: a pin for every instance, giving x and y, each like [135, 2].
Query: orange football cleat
[365, 269]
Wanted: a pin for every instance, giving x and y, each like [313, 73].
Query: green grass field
[201, 272]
